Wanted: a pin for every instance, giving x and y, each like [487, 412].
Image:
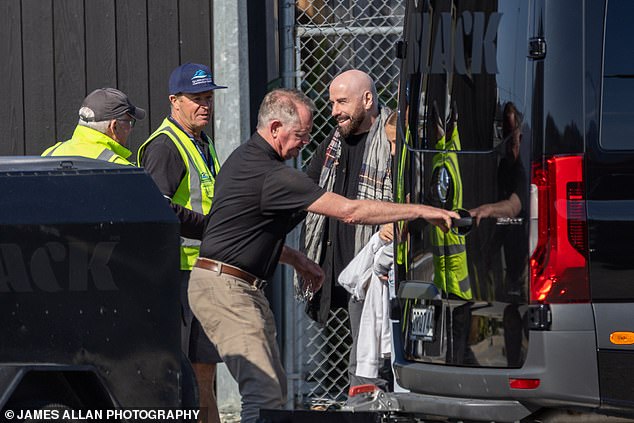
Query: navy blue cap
[191, 78]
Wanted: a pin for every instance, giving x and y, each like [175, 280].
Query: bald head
[355, 80]
[354, 102]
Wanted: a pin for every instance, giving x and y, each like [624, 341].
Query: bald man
[353, 161]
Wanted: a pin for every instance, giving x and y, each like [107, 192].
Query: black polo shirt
[257, 201]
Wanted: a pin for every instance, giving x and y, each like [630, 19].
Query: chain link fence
[330, 37]
[333, 36]
[326, 360]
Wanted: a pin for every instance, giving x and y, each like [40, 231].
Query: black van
[519, 114]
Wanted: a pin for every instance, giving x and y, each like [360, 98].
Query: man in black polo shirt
[258, 200]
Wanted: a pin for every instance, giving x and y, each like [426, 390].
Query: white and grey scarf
[375, 183]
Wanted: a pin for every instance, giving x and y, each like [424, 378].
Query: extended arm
[510, 207]
[371, 212]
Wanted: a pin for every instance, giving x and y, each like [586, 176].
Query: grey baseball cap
[107, 104]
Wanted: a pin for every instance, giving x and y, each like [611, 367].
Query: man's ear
[368, 100]
[112, 128]
[274, 127]
[172, 98]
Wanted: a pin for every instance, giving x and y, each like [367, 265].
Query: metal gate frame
[320, 39]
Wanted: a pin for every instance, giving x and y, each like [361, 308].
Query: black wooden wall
[54, 52]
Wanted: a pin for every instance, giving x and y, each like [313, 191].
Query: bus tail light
[559, 263]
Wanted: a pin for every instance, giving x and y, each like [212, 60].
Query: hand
[439, 217]
[310, 275]
[511, 207]
[480, 212]
[386, 233]
[312, 280]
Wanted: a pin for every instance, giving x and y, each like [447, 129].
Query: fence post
[231, 68]
[231, 122]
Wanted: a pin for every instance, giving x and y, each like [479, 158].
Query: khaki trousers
[238, 320]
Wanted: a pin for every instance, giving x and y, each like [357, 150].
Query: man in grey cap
[182, 160]
[106, 118]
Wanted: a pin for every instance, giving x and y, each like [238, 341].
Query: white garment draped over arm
[361, 279]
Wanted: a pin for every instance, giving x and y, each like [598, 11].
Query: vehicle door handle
[462, 222]
[463, 225]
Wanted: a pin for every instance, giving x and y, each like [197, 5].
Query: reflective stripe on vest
[92, 144]
[51, 150]
[106, 155]
[402, 244]
[194, 193]
[448, 250]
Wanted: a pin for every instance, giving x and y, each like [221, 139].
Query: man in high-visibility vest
[106, 118]
[451, 273]
[182, 160]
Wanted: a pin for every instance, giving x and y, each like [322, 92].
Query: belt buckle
[259, 283]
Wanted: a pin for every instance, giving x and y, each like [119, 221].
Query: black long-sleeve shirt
[338, 241]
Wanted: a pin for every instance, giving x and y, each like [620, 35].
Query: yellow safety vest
[87, 142]
[400, 196]
[196, 189]
[451, 272]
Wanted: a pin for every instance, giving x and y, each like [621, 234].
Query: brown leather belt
[222, 268]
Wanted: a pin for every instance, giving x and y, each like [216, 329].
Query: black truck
[88, 304]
